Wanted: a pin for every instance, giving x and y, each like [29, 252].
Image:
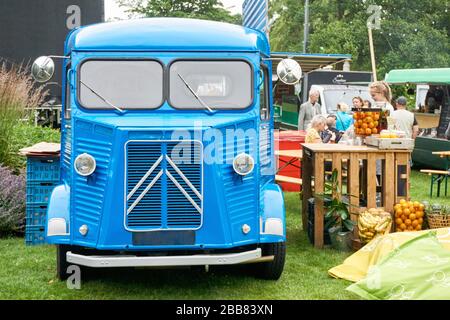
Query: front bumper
[163, 261]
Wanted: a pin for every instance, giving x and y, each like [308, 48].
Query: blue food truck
[167, 155]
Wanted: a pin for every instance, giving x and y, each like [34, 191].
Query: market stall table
[359, 162]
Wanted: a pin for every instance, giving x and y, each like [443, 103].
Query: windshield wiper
[195, 95]
[102, 98]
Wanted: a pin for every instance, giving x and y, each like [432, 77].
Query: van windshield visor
[219, 84]
[127, 84]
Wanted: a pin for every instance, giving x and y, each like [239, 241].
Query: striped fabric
[255, 14]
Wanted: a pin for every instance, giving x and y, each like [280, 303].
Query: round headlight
[243, 164]
[85, 164]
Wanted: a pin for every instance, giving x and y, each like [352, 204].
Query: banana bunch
[373, 222]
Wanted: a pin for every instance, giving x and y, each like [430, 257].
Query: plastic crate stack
[42, 177]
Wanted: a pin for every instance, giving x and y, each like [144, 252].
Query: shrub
[12, 202]
[18, 93]
[25, 135]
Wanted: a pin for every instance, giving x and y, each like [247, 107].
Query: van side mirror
[289, 71]
[42, 69]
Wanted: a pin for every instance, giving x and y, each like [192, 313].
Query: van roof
[167, 34]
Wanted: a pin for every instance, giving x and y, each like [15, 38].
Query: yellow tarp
[356, 266]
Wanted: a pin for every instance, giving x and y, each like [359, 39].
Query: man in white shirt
[404, 119]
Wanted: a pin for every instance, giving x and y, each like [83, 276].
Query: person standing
[405, 120]
[343, 119]
[358, 102]
[308, 110]
[381, 93]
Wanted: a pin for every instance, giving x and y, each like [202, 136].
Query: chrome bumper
[163, 261]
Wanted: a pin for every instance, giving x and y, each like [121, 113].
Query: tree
[413, 34]
[200, 9]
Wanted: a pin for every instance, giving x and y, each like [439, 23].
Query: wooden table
[294, 155]
[446, 155]
[359, 161]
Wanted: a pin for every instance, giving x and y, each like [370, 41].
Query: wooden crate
[357, 175]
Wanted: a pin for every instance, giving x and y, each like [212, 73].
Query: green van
[433, 113]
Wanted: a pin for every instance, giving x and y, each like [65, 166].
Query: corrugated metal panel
[255, 14]
[88, 197]
[240, 192]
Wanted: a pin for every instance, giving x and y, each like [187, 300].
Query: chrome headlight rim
[251, 161]
[91, 171]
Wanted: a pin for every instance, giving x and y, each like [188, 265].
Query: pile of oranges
[409, 215]
[366, 123]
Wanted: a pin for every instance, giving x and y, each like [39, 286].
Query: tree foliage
[200, 9]
[413, 33]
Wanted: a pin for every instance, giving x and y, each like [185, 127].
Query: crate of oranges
[409, 215]
[368, 121]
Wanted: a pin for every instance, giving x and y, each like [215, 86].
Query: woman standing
[382, 95]
[358, 102]
[343, 119]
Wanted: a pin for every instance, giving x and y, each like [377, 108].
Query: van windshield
[127, 84]
[220, 84]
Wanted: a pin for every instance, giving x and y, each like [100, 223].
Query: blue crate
[36, 214]
[34, 235]
[39, 192]
[41, 169]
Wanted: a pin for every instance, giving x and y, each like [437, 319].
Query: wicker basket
[437, 220]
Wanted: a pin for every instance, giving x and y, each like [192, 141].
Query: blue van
[167, 151]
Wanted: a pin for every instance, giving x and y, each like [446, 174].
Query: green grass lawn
[29, 272]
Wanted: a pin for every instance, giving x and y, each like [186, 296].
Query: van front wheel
[272, 270]
[61, 261]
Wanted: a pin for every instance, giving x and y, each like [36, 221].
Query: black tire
[272, 270]
[61, 261]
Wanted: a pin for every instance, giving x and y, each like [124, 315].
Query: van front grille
[163, 183]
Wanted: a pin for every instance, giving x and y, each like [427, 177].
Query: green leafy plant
[18, 95]
[337, 206]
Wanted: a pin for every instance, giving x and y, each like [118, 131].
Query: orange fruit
[415, 223]
[375, 123]
[355, 116]
[416, 204]
[360, 122]
[399, 212]
[410, 228]
[368, 114]
[376, 116]
[419, 214]
[408, 222]
[412, 216]
[403, 226]
[368, 119]
[398, 221]
[420, 221]
[368, 131]
[397, 206]
[421, 207]
[407, 212]
[418, 227]
[402, 201]
[403, 217]
[370, 125]
[364, 126]
[374, 131]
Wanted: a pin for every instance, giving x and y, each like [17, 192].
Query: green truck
[433, 112]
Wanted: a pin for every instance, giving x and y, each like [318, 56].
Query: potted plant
[337, 215]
